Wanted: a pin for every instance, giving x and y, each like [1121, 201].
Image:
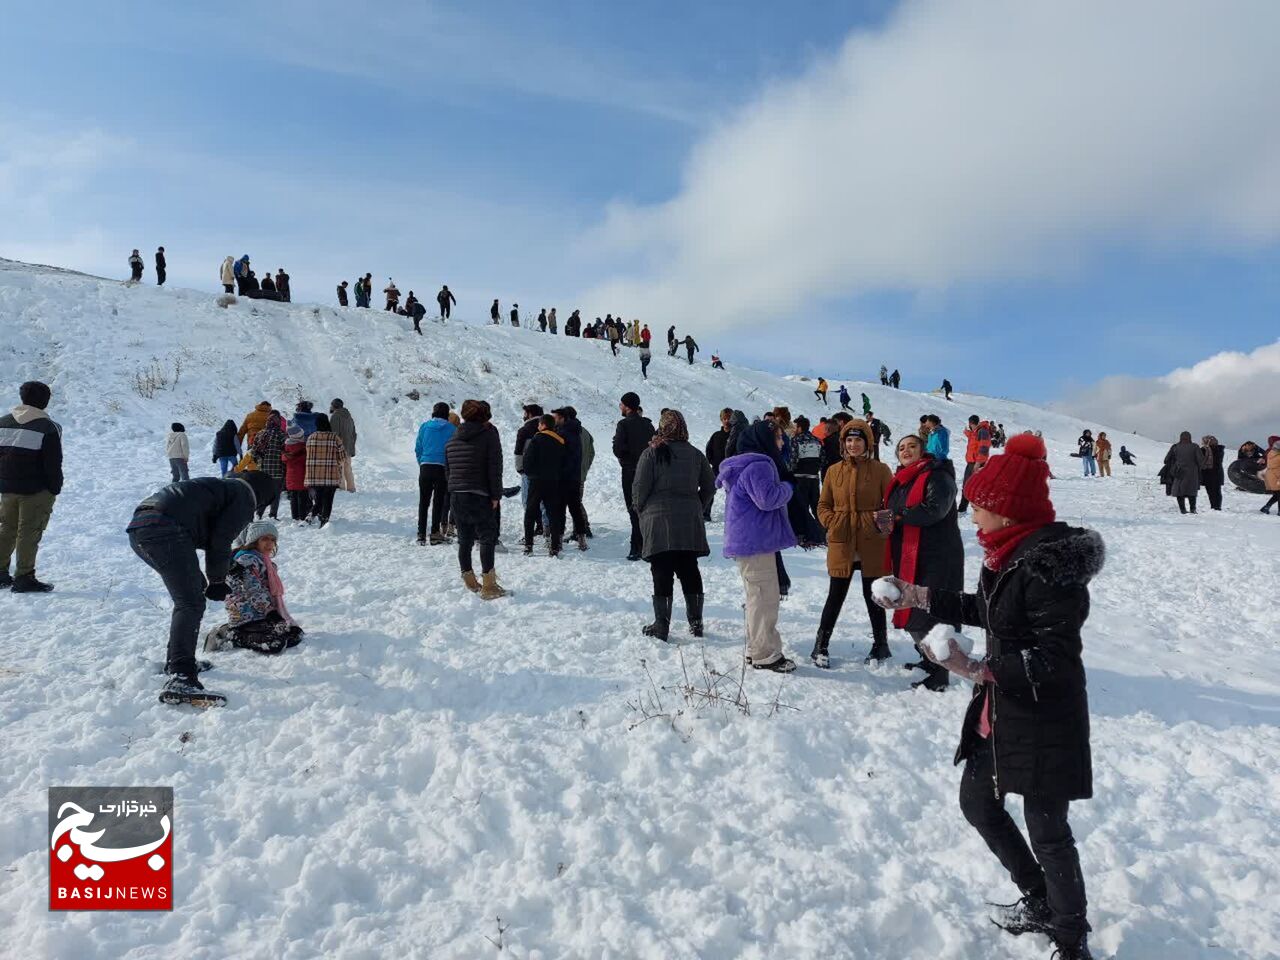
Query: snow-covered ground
[427, 763]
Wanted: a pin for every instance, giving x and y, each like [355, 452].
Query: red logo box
[110, 848]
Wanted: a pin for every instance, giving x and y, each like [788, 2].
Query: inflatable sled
[1244, 474]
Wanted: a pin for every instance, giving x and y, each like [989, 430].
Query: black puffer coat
[473, 460]
[1032, 612]
[940, 555]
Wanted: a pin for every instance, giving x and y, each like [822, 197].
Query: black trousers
[160, 276]
[806, 501]
[968, 472]
[549, 498]
[444, 310]
[838, 590]
[577, 512]
[322, 503]
[628, 480]
[299, 504]
[273, 506]
[1215, 495]
[1050, 866]
[167, 549]
[477, 521]
[433, 495]
[613, 345]
[666, 566]
[644, 367]
[1182, 503]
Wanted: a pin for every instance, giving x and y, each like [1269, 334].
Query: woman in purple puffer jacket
[755, 528]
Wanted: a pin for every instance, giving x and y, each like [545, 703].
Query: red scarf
[916, 477]
[1000, 544]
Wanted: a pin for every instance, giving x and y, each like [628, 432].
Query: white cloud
[969, 142]
[1231, 395]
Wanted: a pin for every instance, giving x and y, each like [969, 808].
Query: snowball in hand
[884, 589]
[939, 640]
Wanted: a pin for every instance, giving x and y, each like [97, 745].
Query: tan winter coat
[852, 493]
[228, 272]
[1271, 477]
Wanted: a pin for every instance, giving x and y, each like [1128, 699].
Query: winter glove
[960, 663]
[910, 595]
[216, 591]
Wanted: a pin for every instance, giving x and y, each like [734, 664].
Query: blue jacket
[241, 268]
[939, 443]
[307, 421]
[432, 437]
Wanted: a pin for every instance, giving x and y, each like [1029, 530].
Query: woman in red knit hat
[1027, 727]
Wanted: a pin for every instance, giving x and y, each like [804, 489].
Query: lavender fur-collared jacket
[755, 512]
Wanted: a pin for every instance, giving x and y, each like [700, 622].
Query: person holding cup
[850, 511]
[924, 542]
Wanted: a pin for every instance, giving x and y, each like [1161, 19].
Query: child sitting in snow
[257, 618]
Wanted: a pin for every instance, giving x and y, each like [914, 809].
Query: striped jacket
[325, 455]
[30, 452]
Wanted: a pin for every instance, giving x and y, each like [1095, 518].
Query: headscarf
[671, 426]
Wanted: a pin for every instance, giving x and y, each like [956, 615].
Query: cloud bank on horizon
[964, 143]
[1231, 395]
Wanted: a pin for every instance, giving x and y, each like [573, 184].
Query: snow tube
[1244, 474]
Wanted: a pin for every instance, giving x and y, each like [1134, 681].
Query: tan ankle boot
[470, 582]
[491, 590]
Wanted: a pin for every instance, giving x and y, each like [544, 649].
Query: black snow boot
[879, 651]
[820, 656]
[693, 608]
[661, 625]
[27, 583]
[1029, 915]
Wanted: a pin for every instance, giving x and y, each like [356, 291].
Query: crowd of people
[785, 482]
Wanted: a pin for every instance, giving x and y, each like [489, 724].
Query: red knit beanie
[1015, 484]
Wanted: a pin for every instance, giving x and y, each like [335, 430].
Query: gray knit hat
[256, 531]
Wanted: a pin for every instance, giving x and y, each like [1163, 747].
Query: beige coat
[852, 493]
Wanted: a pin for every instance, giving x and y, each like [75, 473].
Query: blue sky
[1008, 200]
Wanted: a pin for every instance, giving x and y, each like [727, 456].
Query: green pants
[23, 517]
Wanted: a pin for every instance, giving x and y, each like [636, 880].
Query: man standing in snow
[690, 348]
[30, 481]
[227, 274]
[946, 388]
[341, 423]
[160, 267]
[393, 295]
[938, 441]
[166, 531]
[844, 398]
[515, 314]
[241, 270]
[446, 300]
[433, 488]
[495, 314]
[135, 266]
[548, 467]
[342, 294]
[474, 459]
[977, 452]
[895, 379]
[579, 451]
[282, 285]
[630, 439]
[671, 340]
[527, 431]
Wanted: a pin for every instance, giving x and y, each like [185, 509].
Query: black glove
[216, 591]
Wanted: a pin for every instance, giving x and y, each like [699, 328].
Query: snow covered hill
[427, 763]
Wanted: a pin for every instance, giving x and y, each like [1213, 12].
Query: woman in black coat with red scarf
[1027, 727]
[924, 542]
